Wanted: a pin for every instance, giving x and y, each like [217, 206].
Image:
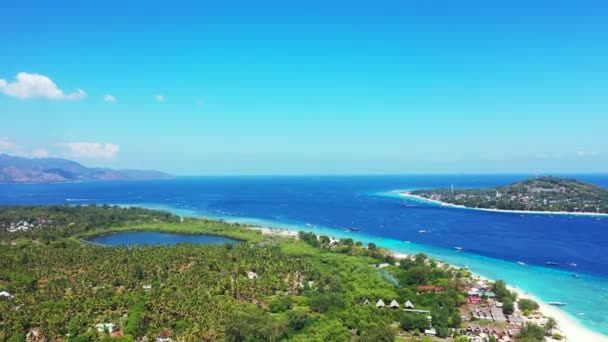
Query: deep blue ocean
[492, 243]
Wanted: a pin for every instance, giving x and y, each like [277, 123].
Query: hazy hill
[44, 170]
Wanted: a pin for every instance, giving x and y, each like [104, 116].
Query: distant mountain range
[49, 170]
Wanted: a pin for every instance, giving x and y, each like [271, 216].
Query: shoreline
[524, 212]
[573, 330]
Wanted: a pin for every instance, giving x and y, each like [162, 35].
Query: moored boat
[557, 303]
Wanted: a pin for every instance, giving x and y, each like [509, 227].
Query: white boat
[458, 248]
[557, 303]
[580, 314]
[572, 264]
[521, 263]
[422, 231]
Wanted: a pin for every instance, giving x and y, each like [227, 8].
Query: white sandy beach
[275, 231]
[573, 330]
[445, 204]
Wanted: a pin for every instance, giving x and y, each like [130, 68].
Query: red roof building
[474, 299]
[165, 334]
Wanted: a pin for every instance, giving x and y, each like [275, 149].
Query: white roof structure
[431, 332]
[366, 302]
[105, 326]
[5, 294]
[409, 305]
[380, 304]
[394, 304]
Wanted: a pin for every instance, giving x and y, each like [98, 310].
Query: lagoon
[136, 238]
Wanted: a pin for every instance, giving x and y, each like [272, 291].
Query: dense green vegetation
[311, 289]
[534, 194]
[527, 305]
[52, 222]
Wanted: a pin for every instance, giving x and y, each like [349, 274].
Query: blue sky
[310, 87]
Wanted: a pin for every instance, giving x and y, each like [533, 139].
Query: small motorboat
[422, 231]
[354, 229]
[521, 263]
[574, 276]
[580, 314]
[551, 263]
[458, 248]
[572, 264]
[557, 303]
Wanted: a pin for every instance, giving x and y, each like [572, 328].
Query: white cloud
[27, 86]
[90, 150]
[7, 144]
[587, 153]
[40, 153]
[160, 98]
[109, 99]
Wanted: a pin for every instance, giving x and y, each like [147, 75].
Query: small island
[539, 194]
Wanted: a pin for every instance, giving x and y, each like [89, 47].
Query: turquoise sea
[492, 243]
